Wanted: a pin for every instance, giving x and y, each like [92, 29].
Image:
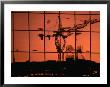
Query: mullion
[53, 31]
[90, 34]
[13, 36]
[75, 33]
[29, 34]
[44, 37]
[52, 52]
[59, 30]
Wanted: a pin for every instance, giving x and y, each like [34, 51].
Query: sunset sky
[36, 22]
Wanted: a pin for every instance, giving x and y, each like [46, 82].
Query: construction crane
[69, 31]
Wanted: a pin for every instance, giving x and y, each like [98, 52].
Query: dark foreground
[69, 68]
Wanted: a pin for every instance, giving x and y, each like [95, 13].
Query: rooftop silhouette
[51, 68]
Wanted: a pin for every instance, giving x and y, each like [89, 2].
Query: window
[53, 35]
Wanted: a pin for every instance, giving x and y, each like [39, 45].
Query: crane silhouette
[60, 34]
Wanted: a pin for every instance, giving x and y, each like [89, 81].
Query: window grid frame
[29, 31]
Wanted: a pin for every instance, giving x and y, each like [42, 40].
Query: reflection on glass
[83, 41]
[84, 56]
[36, 21]
[95, 57]
[54, 43]
[50, 43]
[69, 43]
[12, 41]
[67, 20]
[51, 22]
[36, 42]
[95, 42]
[21, 57]
[51, 56]
[80, 20]
[36, 57]
[66, 39]
[20, 21]
[21, 41]
[96, 26]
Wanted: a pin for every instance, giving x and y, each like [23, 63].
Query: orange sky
[36, 20]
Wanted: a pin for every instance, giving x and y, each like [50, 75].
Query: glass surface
[81, 24]
[36, 21]
[51, 22]
[20, 21]
[67, 21]
[36, 57]
[36, 42]
[21, 56]
[50, 43]
[51, 56]
[21, 41]
[83, 41]
[95, 42]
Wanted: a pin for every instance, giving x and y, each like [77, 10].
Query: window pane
[36, 42]
[51, 56]
[51, 22]
[67, 20]
[69, 55]
[50, 43]
[95, 39]
[69, 43]
[85, 56]
[21, 41]
[83, 41]
[21, 57]
[12, 16]
[80, 19]
[96, 26]
[21, 21]
[36, 21]
[36, 57]
[95, 57]
[11, 40]
[95, 42]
